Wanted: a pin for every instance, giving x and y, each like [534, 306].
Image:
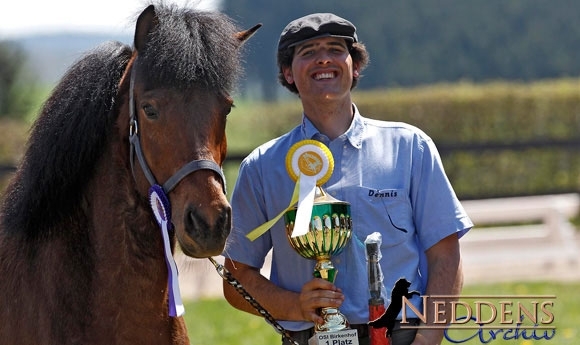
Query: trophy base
[334, 321]
[344, 337]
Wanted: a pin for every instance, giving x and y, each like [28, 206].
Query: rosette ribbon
[162, 210]
[310, 164]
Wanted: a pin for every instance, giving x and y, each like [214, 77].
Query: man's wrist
[426, 336]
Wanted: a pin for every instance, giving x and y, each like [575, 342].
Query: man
[390, 173]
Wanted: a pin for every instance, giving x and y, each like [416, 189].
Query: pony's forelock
[192, 48]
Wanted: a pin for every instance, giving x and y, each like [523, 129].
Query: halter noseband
[200, 164]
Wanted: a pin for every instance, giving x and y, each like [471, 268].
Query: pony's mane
[66, 141]
[191, 48]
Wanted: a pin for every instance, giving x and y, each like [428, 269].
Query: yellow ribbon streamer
[259, 231]
[311, 162]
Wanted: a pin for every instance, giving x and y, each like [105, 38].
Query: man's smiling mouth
[326, 75]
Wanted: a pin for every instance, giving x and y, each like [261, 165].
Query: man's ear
[288, 75]
[355, 70]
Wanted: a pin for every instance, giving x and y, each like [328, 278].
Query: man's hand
[282, 304]
[319, 293]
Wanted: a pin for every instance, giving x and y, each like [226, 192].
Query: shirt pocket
[387, 211]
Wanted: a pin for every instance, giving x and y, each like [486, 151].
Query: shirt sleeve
[437, 211]
[248, 212]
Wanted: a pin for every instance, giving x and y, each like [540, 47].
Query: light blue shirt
[390, 173]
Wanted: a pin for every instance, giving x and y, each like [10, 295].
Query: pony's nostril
[225, 221]
[194, 223]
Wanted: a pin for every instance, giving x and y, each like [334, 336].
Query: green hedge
[490, 113]
[511, 126]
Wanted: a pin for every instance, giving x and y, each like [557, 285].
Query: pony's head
[184, 68]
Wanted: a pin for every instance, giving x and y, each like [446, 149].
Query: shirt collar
[354, 134]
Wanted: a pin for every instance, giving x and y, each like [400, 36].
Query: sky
[25, 17]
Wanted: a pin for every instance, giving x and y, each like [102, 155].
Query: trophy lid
[320, 197]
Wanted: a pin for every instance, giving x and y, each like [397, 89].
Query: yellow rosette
[310, 158]
[309, 164]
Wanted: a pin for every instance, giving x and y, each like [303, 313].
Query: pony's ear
[242, 36]
[145, 23]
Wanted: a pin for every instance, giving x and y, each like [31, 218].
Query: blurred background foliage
[417, 42]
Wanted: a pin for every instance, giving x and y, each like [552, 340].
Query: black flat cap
[314, 26]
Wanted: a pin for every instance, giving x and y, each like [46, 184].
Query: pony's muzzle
[205, 230]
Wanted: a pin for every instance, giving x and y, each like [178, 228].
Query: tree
[15, 100]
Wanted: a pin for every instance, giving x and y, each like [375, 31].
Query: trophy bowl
[330, 230]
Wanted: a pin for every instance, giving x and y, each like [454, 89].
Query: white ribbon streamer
[305, 203]
[176, 304]
[161, 210]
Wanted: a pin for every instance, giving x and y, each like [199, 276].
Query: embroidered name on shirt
[383, 193]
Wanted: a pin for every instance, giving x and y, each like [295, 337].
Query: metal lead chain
[227, 276]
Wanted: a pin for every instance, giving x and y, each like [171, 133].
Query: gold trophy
[330, 230]
[325, 231]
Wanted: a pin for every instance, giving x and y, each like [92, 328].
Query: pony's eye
[150, 111]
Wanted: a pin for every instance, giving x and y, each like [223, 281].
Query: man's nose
[322, 57]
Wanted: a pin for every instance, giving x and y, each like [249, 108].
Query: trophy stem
[325, 269]
[333, 319]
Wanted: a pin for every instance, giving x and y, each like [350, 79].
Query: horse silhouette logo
[389, 317]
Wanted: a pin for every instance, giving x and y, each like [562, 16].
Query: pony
[83, 252]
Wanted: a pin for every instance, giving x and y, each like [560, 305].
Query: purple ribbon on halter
[162, 210]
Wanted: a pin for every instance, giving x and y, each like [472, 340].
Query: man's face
[321, 67]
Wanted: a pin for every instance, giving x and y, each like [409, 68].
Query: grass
[214, 321]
